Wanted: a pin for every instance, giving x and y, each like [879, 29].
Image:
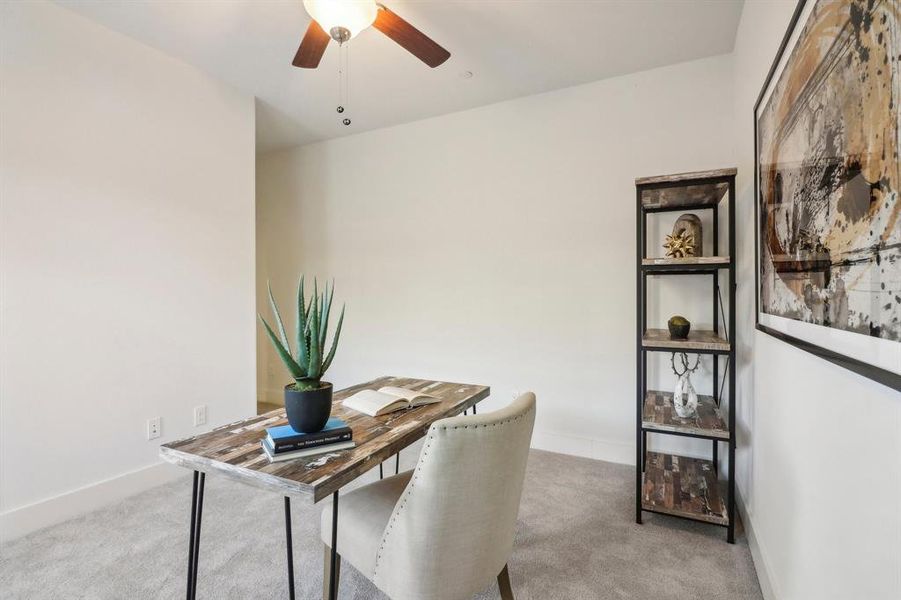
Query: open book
[387, 399]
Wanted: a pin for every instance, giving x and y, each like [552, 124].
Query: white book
[387, 399]
[304, 452]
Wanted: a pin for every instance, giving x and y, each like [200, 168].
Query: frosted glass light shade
[353, 15]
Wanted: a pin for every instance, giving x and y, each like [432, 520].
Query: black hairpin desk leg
[333, 580]
[290, 547]
[194, 539]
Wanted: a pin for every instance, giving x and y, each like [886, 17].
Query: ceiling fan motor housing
[340, 34]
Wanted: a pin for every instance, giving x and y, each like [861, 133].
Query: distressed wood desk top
[234, 450]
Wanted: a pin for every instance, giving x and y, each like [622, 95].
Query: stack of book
[284, 443]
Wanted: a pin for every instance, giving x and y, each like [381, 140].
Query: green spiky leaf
[303, 355]
[284, 354]
[331, 353]
[310, 311]
[326, 308]
[278, 320]
[315, 369]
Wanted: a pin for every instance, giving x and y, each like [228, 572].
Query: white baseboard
[761, 565]
[21, 521]
[598, 449]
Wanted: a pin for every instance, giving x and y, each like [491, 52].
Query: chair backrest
[452, 529]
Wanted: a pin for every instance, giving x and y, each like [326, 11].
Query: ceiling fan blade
[414, 41]
[312, 47]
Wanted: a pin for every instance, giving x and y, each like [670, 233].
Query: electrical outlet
[200, 415]
[154, 426]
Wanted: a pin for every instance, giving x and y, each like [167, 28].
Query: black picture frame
[883, 376]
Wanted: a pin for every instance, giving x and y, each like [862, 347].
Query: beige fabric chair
[444, 530]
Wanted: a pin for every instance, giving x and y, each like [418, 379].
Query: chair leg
[503, 582]
[327, 570]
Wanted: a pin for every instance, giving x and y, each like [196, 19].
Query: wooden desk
[234, 451]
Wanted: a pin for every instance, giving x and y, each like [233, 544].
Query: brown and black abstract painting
[829, 214]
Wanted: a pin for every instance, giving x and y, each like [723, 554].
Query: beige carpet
[576, 539]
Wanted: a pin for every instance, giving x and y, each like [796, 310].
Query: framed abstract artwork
[827, 182]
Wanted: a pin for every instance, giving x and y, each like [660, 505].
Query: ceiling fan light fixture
[342, 19]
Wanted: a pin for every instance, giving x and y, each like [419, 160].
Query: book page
[374, 403]
[405, 393]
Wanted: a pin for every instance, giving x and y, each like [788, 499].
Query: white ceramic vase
[685, 399]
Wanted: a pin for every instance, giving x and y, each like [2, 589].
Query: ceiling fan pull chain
[343, 80]
[340, 108]
[346, 79]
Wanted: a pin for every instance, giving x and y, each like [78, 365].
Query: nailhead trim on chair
[409, 490]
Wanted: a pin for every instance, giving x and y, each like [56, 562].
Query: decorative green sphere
[679, 327]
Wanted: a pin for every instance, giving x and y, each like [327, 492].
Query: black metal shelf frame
[700, 436]
[684, 269]
[642, 273]
[690, 351]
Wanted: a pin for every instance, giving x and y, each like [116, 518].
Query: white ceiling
[513, 47]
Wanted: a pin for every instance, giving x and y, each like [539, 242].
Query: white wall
[820, 447]
[127, 249]
[497, 245]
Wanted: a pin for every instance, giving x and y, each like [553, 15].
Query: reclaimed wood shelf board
[700, 195]
[684, 487]
[691, 263]
[698, 341]
[682, 177]
[234, 450]
[660, 415]
[688, 260]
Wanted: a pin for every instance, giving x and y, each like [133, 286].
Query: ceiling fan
[340, 20]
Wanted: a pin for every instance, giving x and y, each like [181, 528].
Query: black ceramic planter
[308, 410]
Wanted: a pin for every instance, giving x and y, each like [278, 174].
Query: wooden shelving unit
[681, 486]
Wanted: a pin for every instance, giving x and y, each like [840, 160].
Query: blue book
[284, 438]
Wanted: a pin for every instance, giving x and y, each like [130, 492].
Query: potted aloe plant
[308, 401]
